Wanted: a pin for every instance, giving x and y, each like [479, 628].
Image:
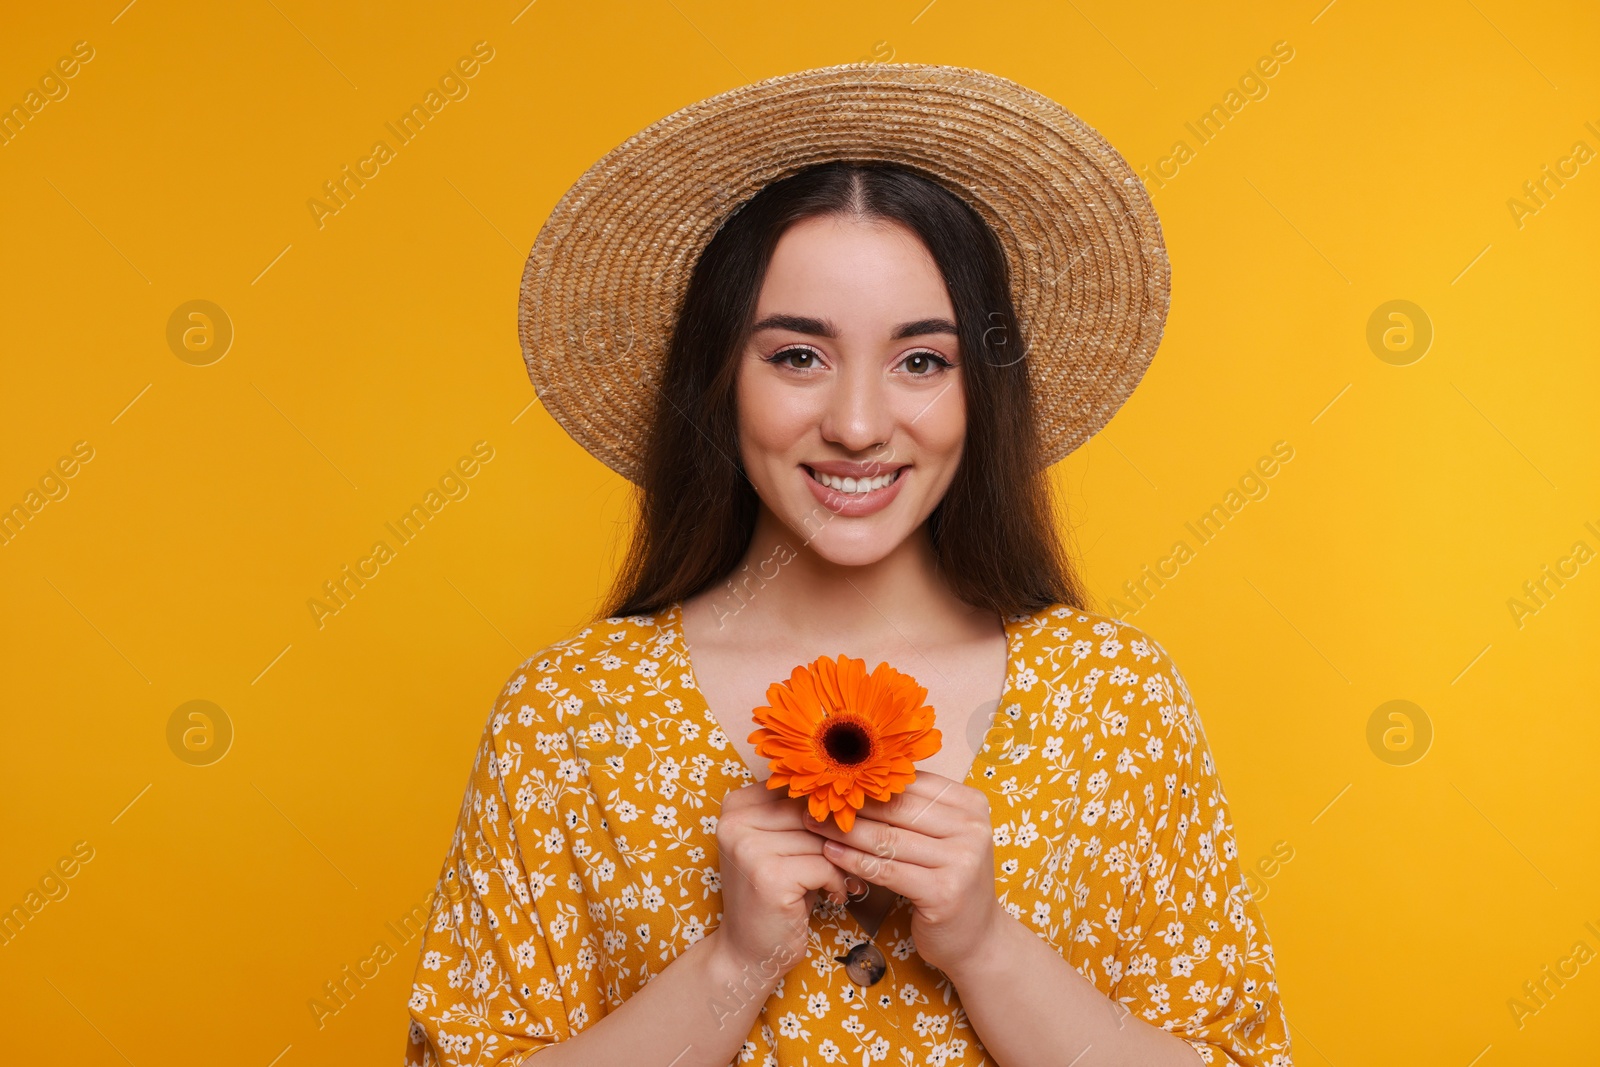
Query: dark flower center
[846, 742]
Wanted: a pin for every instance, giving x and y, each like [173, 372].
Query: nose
[858, 413]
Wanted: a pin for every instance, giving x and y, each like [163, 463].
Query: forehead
[855, 271]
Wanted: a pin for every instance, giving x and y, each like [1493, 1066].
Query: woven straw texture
[608, 270]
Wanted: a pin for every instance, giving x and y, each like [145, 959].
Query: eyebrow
[825, 328]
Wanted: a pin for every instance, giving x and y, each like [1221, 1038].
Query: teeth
[854, 485]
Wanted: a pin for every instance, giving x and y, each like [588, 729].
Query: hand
[772, 870]
[933, 844]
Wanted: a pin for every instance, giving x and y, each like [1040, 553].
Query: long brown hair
[994, 533]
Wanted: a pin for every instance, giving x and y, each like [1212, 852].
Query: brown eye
[796, 353]
[924, 363]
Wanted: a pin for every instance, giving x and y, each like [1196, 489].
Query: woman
[846, 451]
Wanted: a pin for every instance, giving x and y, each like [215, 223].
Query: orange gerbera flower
[837, 735]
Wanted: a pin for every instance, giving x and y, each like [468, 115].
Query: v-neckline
[974, 778]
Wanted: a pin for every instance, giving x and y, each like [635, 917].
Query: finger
[883, 840]
[753, 793]
[908, 879]
[837, 887]
[769, 816]
[788, 843]
[935, 805]
[810, 874]
[809, 869]
[837, 884]
[762, 852]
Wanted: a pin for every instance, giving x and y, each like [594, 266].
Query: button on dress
[585, 859]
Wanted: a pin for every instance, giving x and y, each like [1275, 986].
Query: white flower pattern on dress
[585, 860]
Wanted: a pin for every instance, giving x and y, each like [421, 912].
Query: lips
[858, 503]
[855, 484]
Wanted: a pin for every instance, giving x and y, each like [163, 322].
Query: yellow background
[371, 353]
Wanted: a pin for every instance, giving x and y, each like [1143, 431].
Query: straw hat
[608, 271]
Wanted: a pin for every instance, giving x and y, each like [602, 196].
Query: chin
[859, 550]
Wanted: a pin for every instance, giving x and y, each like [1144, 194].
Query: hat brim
[607, 273]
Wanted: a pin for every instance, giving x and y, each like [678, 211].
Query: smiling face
[852, 410]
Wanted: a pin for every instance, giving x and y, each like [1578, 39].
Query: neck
[783, 587]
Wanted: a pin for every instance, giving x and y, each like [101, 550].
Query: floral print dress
[585, 859]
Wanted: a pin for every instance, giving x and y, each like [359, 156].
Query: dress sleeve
[495, 981]
[1198, 962]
